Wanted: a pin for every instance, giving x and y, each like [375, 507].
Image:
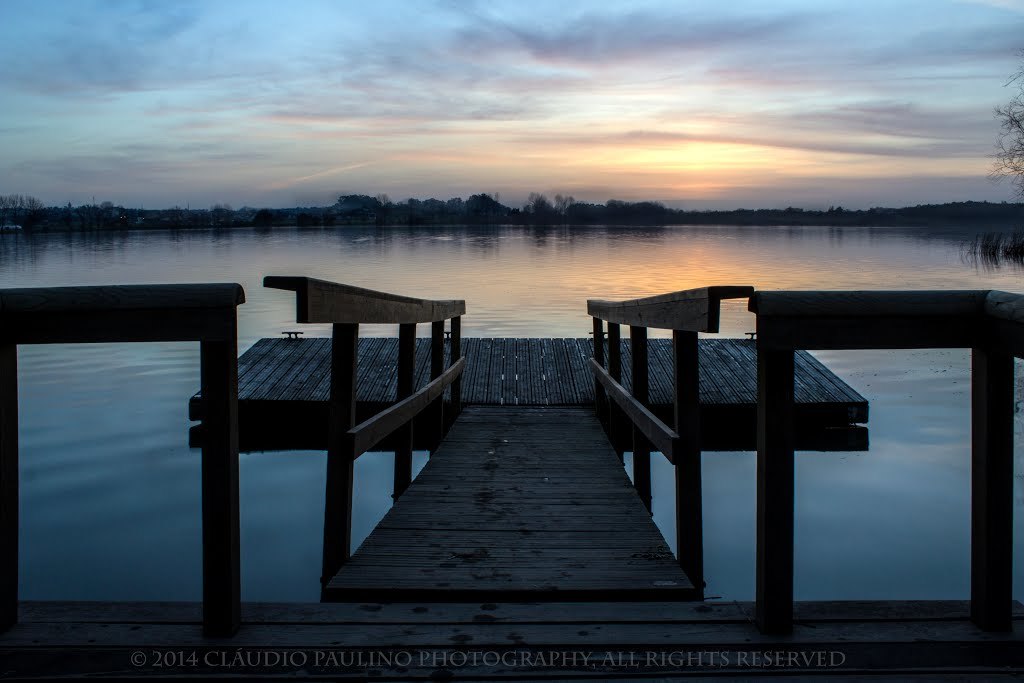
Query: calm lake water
[110, 490]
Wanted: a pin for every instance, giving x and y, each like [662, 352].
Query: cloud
[603, 39]
[1016, 6]
[292, 182]
[115, 46]
[440, 96]
[873, 128]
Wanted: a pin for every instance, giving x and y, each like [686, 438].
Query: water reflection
[107, 477]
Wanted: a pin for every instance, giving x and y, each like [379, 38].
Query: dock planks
[284, 384]
[612, 641]
[510, 371]
[523, 503]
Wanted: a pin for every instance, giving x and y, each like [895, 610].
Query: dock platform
[516, 504]
[283, 385]
[521, 551]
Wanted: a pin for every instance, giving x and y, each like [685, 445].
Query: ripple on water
[110, 487]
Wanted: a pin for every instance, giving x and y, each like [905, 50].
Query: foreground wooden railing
[685, 313]
[347, 307]
[989, 323]
[141, 313]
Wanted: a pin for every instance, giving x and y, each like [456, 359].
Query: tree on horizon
[1009, 157]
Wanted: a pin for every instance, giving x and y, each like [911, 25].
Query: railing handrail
[868, 303]
[373, 430]
[348, 307]
[29, 300]
[693, 310]
[1005, 306]
[138, 313]
[989, 322]
[661, 436]
[686, 312]
[858, 319]
[320, 301]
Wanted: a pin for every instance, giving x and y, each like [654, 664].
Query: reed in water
[993, 248]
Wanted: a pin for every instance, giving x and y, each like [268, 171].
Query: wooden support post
[436, 413]
[403, 435]
[689, 506]
[774, 602]
[599, 397]
[991, 489]
[221, 575]
[454, 354]
[8, 485]
[340, 462]
[641, 448]
[615, 370]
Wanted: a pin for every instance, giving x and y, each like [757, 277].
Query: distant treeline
[30, 214]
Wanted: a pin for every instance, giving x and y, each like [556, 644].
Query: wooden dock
[517, 504]
[875, 641]
[522, 550]
[283, 386]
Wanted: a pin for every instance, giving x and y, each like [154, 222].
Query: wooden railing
[989, 323]
[685, 313]
[347, 307]
[142, 313]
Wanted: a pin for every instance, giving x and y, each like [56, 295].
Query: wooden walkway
[612, 641]
[516, 504]
[286, 382]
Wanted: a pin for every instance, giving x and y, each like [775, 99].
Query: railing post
[774, 602]
[991, 489]
[436, 413]
[641, 448]
[615, 370]
[454, 354]
[8, 484]
[340, 463]
[221, 572]
[599, 396]
[687, 465]
[403, 435]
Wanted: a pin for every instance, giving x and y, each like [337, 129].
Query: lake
[110, 490]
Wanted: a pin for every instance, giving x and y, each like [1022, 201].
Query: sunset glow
[696, 104]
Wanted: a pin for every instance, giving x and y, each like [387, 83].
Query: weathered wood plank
[871, 304]
[369, 433]
[686, 458]
[454, 355]
[405, 384]
[727, 373]
[934, 635]
[653, 429]
[41, 300]
[221, 531]
[992, 398]
[641, 394]
[696, 310]
[337, 536]
[293, 365]
[494, 478]
[319, 301]
[295, 417]
[8, 485]
[119, 313]
[579, 357]
[775, 491]
[327, 613]
[437, 354]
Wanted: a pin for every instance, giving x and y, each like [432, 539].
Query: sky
[806, 103]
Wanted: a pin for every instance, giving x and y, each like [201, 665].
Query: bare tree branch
[1009, 156]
